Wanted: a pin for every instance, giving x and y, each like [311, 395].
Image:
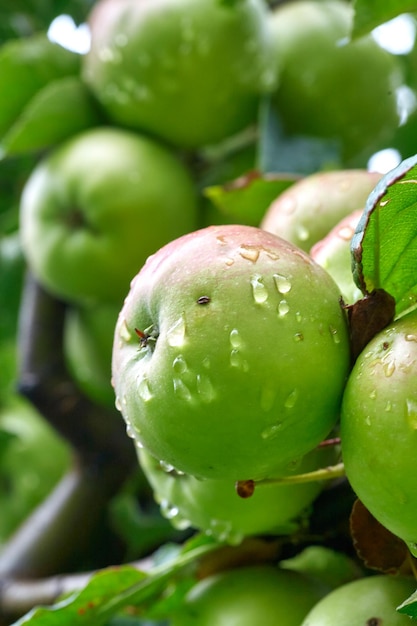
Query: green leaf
[247, 198]
[409, 606]
[371, 13]
[27, 65]
[59, 110]
[384, 246]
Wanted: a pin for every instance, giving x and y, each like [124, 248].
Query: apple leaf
[26, 65]
[384, 246]
[371, 13]
[59, 110]
[246, 198]
[409, 606]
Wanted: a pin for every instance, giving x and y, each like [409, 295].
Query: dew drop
[411, 413]
[205, 388]
[235, 338]
[118, 404]
[179, 365]
[167, 467]
[181, 389]
[282, 283]
[298, 316]
[368, 420]
[388, 406]
[180, 523]
[389, 368]
[271, 431]
[411, 337]
[334, 334]
[220, 529]
[124, 332]
[168, 510]
[302, 233]
[130, 432]
[298, 337]
[138, 443]
[283, 308]
[176, 334]
[250, 253]
[236, 360]
[206, 363]
[291, 399]
[372, 395]
[144, 390]
[259, 291]
[268, 395]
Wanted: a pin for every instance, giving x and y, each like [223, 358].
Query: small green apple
[334, 255]
[97, 206]
[241, 358]
[189, 72]
[369, 601]
[261, 594]
[331, 86]
[311, 207]
[88, 343]
[379, 428]
[214, 507]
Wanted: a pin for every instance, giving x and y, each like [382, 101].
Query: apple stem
[324, 473]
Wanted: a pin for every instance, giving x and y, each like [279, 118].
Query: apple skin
[333, 253]
[190, 73]
[311, 207]
[258, 594]
[247, 355]
[214, 507]
[330, 87]
[90, 208]
[379, 427]
[369, 601]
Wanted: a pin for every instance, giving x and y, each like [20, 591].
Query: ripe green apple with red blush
[190, 73]
[369, 601]
[331, 85]
[214, 507]
[96, 206]
[312, 206]
[379, 428]
[248, 595]
[230, 354]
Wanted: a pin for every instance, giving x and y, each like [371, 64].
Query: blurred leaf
[246, 198]
[384, 246]
[302, 155]
[409, 606]
[59, 110]
[12, 268]
[27, 65]
[371, 13]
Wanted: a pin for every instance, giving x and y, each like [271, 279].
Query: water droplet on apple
[372, 395]
[250, 253]
[176, 334]
[144, 390]
[118, 404]
[298, 337]
[124, 331]
[411, 413]
[334, 334]
[298, 316]
[283, 308]
[268, 395]
[259, 291]
[291, 399]
[389, 368]
[167, 467]
[282, 283]
[138, 443]
[179, 364]
[222, 530]
[236, 360]
[180, 523]
[271, 431]
[168, 510]
[235, 338]
[205, 388]
[411, 337]
[181, 389]
[388, 406]
[302, 233]
[130, 432]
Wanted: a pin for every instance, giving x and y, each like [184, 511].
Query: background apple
[311, 207]
[249, 595]
[214, 507]
[379, 428]
[189, 72]
[243, 354]
[329, 86]
[94, 203]
[369, 601]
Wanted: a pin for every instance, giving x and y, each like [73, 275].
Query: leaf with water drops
[384, 246]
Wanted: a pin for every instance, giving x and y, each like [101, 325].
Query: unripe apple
[370, 601]
[261, 594]
[379, 428]
[305, 212]
[331, 86]
[95, 207]
[241, 358]
[189, 72]
[213, 506]
[333, 253]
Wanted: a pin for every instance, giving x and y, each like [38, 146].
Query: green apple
[334, 254]
[332, 87]
[369, 601]
[261, 594]
[33, 458]
[305, 212]
[190, 72]
[214, 507]
[379, 428]
[88, 343]
[97, 206]
[241, 358]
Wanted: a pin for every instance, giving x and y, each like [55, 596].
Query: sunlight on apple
[64, 31]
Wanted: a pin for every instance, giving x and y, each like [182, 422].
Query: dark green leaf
[59, 110]
[384, 246]
[27, 65]
[247, 198]
[409, 606]
[372, 13]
